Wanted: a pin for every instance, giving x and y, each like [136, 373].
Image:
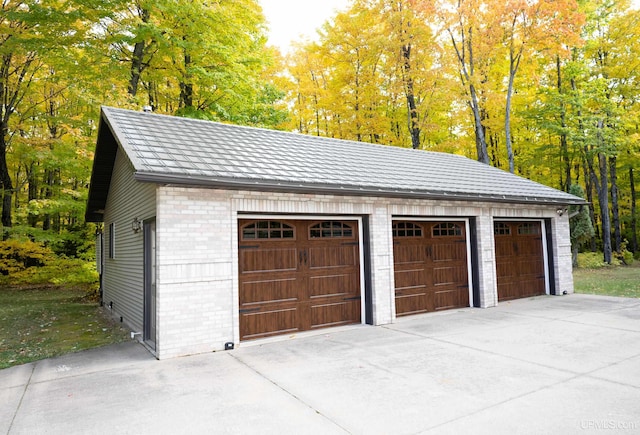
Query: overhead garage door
[430, 266]
[519, 259]
[297, 275]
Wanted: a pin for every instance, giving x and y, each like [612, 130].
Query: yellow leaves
[355, 83]
[17, 255]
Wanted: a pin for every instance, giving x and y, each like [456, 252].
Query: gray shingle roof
[171, 149]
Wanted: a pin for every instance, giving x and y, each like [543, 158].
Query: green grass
[37, 323]
[610, 281]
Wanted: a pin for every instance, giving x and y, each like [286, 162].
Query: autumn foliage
[547, 89]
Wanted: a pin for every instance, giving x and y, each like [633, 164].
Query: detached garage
[216, 234]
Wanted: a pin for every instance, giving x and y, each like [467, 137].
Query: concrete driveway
[560, 365]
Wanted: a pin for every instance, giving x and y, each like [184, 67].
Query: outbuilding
[217, 234]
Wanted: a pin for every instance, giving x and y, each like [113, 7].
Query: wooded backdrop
[547, 89]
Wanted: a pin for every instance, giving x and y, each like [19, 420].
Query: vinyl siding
[123, 275]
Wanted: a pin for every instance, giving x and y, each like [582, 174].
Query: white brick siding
[562, 251]
[381, 243]
[488, 285]
[195, 271]
[198, 251]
